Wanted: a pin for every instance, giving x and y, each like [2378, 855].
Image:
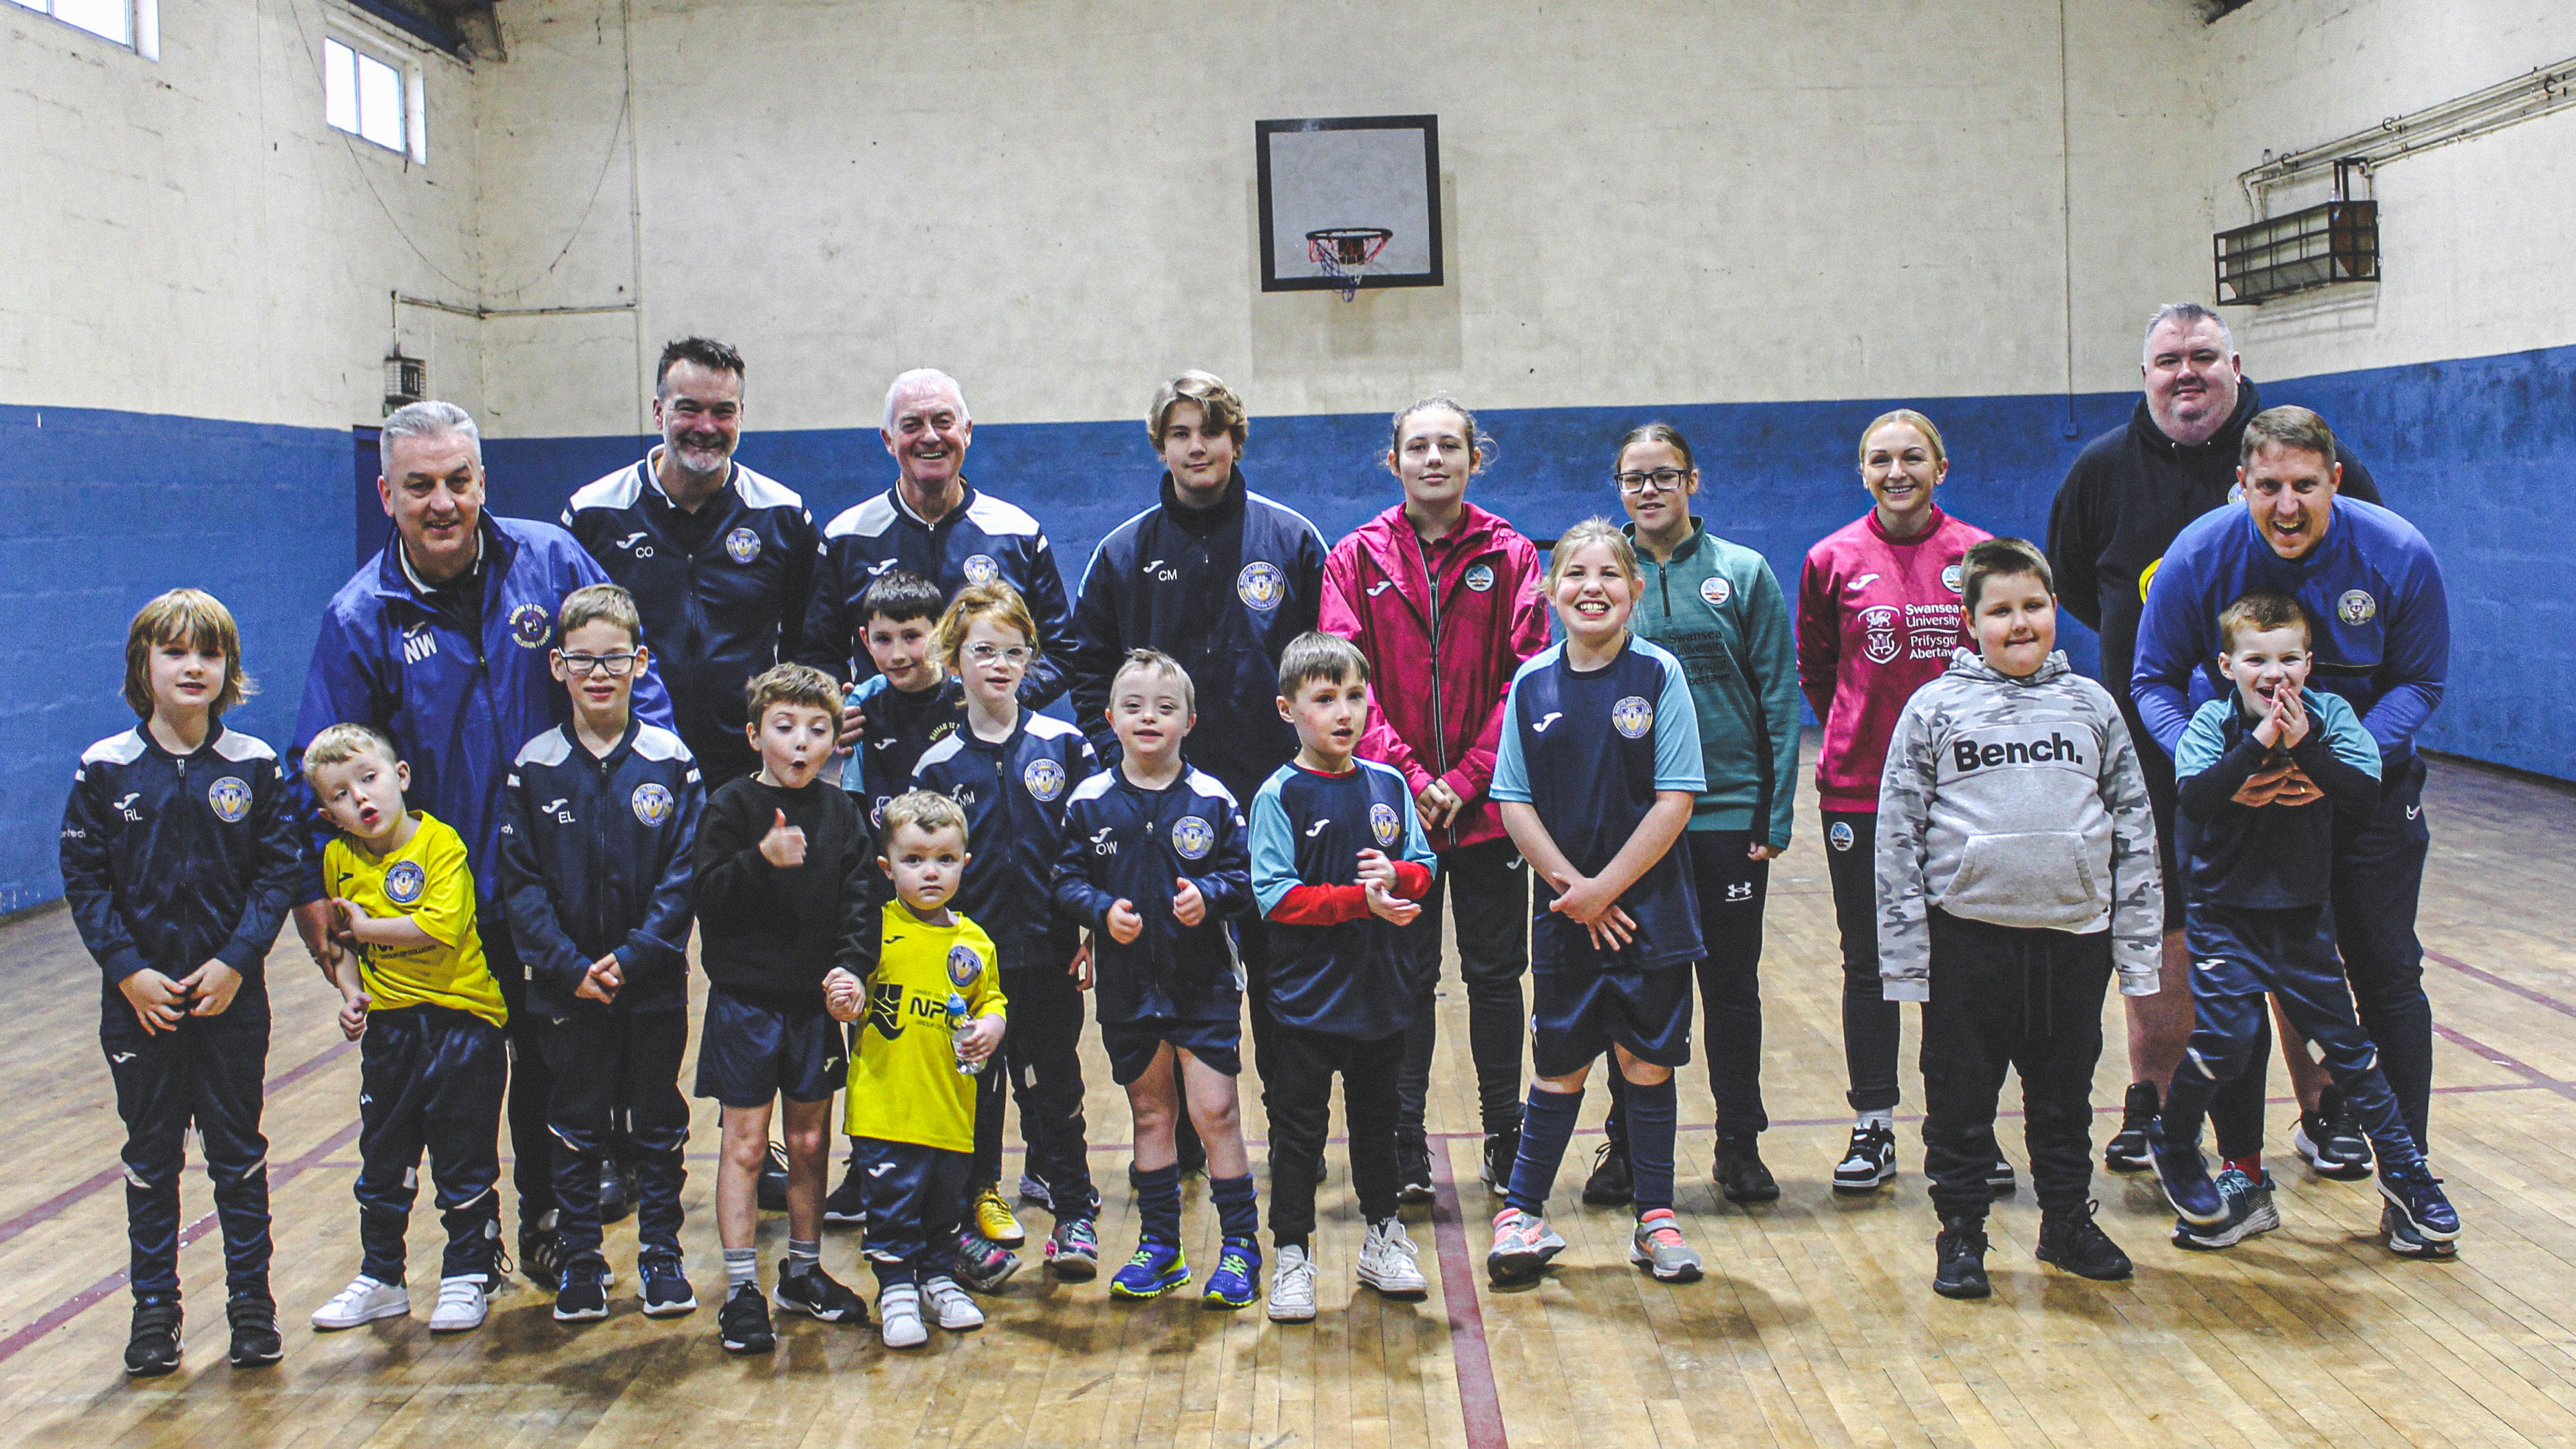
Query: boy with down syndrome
[1342, 975]
[2258, 871]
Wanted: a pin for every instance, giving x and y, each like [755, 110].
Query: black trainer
[816, 1294]
[1961, 1254]
[584, 1294]
[152, 1349]
[541, 1253]
[2000, 1179]
[772, 1190]
[846, 1206]
[253, 1317]
[1413, 1170]
[1612, 1182]
[2127, 1149]
[2073, 1241]
[1869, 1161]
[2331, 1139]
[1740, 1173]
[742, 1325]
[1502, 1149]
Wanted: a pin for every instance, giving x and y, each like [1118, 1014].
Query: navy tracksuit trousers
[617, 1082]
[1041, 1061]
[207, 1073]
[916, 1197]
[430, 1078]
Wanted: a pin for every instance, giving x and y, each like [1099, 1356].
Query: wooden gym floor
[1816, 1324]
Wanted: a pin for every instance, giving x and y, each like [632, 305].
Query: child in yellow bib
[912, 1088]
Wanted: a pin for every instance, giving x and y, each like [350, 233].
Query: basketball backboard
[1349, 202]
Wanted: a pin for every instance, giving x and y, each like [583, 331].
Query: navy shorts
[1575, 1016]
[749, 1055]
[1132, 1045]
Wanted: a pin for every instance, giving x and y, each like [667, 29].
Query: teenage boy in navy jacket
[179, 857]
[597, 851]
[1343, 981]
[1154, 866]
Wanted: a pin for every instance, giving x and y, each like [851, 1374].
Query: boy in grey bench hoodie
[2016, 868]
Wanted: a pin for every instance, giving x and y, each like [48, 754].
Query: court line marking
[1480, 1405]
[2538, 998]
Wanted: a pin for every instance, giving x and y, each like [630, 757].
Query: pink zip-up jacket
[1877, 619]
[1443, 627]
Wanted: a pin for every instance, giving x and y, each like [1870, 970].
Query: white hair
[2187, 315]
[929, 377]
[432, 419]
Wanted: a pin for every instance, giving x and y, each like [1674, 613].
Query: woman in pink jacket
[1444, 599]
[1878, 614]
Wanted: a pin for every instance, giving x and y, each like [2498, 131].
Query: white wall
[188, 236]
[1663, 200]
[2473, 236]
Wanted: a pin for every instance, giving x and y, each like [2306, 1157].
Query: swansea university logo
[229, 798]
[1261, 586]
[1384, 825]
[531, 626]
[405, 882]
[1193, 837]
[1044, 779]
[651, 803]
[1632, 716]
[742, 545]
[963, 966]
[1878, 625]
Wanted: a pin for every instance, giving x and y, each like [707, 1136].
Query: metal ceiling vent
[406, 380]
[2316, 246]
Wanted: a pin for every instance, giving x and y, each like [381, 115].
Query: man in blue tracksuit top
[441, 642]
[719, 558]
[2383, 643]
[1221, 579]
[932, 523]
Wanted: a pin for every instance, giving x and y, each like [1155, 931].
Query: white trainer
[1292, 1287]
[364, 1301]
[899, 1316]
[949, 1304]
[1390, 1263]
[460, 1305]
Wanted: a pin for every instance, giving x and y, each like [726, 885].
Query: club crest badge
[1716, 590]
[1481, 577]
[531, 626]
[1950, 578]
[980, 569]
[229, 798]
[964, 966]
[2356, 607]
[1261, 586]
[1840, 837]
[1193, 838]
[1044, 779]
[651, 803]
[1632, 716]
[1878, 633]
[405, 882]
[742, 545]
[1384, 825]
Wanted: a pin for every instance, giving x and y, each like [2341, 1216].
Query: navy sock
[1238, 1208]
[1547, 1124]
[1651, 1114]
[1158, 1203]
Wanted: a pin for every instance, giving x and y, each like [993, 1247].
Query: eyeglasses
[1017, 654]
[1662, 480]
[617, 665]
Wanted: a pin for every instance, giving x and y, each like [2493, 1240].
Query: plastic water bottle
[959, 1024]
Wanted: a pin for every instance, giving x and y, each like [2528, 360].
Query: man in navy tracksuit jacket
[441, 642]
[1014, 793]
[171, 861]
[597, 855]
[719, 558]
[2370, 584]
[1222, 586]
[934, 524]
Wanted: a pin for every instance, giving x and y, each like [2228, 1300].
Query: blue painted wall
[107, 509]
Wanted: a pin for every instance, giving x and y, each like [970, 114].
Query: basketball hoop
[1337, 249]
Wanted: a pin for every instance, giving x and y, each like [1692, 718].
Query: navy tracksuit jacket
[1126, 843]
[171, 861]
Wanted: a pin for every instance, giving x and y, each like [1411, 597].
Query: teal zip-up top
[1718, 609]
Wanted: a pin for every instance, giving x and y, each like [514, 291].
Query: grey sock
[742, 1268]
[804, 1255]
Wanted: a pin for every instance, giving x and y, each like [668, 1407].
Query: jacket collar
[651, 479]
[904, 511]
[494, 553]
[1879, 530]
[1690, 546]
[152, 743]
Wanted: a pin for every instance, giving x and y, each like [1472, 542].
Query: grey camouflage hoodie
[2016, 802]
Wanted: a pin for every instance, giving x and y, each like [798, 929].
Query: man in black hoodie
[2130, 492]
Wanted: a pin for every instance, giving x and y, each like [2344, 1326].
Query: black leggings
[1872, 1024]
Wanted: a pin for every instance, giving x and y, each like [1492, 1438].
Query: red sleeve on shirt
[1320, 905]
[1412, 879]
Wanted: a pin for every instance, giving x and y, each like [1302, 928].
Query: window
[371, 98]
[134, 24]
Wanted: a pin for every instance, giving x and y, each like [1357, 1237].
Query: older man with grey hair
[442, 643]
[2130, 492]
